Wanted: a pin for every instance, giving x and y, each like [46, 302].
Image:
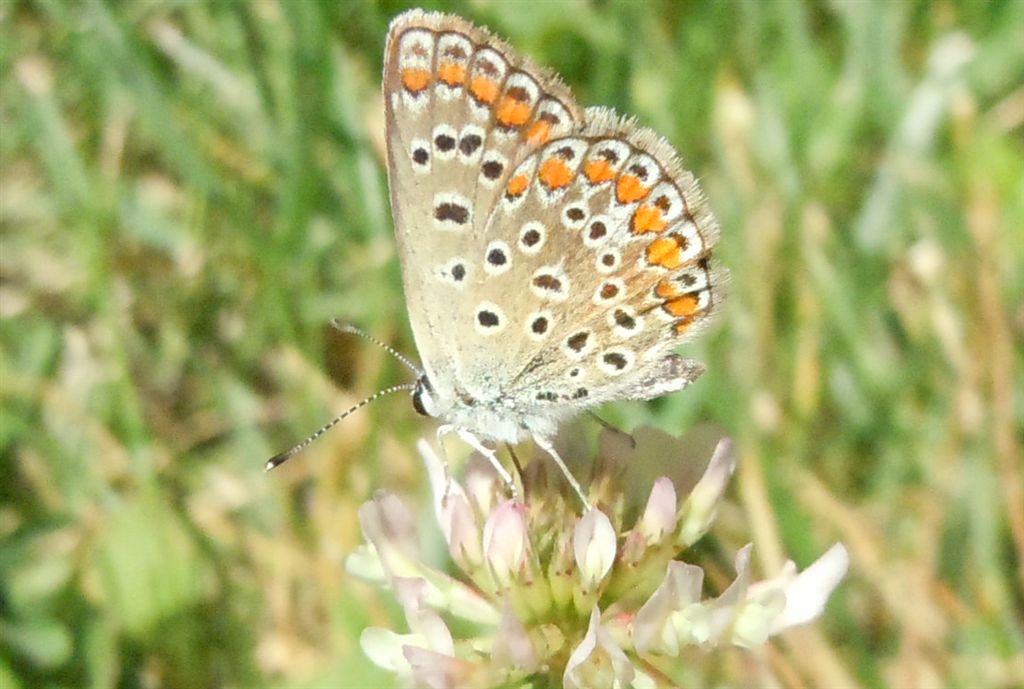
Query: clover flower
[556, 598]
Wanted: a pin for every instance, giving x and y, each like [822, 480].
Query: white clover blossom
[594, 542]
[598, 661]
[580, 600]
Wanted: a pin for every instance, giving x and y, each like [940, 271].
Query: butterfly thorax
[495, 418]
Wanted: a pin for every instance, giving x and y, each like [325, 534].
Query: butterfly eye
[421, 397]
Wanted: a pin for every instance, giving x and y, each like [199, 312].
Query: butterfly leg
[487, 452]
[612, 429]
[548, 447]
[443, 430]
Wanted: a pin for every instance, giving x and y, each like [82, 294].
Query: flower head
[580, 599]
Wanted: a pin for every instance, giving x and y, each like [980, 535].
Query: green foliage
[189, 191]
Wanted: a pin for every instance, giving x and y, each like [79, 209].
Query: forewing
[462, 111]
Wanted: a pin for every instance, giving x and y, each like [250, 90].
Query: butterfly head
[424, 399]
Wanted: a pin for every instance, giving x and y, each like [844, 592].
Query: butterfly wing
[550, 258]
[462, 110]
[625, 275]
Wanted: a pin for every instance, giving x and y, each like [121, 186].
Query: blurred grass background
[191, 190]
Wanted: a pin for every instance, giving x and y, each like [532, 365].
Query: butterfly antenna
[278, 460]
[353, 330]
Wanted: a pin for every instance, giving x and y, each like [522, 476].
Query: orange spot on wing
[667, 289]
[538, 133]
[647, 219]
[452, 73]
[681, 326]
[513, 112]
[484, 90]
[598, 171]
[517, 185]
[665, 252]
[555, 174]
[630, 189]
[415, 79]
[685, 305]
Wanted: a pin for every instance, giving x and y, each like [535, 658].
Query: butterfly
[552, 257]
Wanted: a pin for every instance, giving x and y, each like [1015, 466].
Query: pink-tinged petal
[672, 616]
[386, 518]
[725, 608]
[512, 645]
[701, 505]
[453, 511]
[389, 526]
[505, 542]
[412, 594]
[597, 662]
[659, 518]
[594, 544]
[483, 485]
[807, 594]
[633, 548]
[652, 616]
[437, 473]
[738, 588]
[441, 671]
[441, 592]
[461, 531]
